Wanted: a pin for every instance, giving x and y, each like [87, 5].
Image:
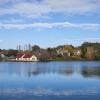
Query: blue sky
[48, 22]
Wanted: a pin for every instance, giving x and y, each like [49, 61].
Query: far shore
[47, 60]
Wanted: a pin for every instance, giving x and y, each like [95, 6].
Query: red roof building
[26, 57]
[19, 55]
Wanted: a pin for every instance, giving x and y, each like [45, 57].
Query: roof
[12, 56]
[2, 56]
[28, 56]
[24, 55]
[19, 55]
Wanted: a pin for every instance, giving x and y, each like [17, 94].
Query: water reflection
[91, 71]
[64, 68]
[48, 70]
[85, 71]
[52, 78]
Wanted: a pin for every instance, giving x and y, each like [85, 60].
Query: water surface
[50, 80]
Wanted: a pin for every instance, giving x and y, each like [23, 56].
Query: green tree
[35, 48]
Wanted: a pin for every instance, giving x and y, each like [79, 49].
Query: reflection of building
[26, 57]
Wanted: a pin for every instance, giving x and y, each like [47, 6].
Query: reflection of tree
[48, 70]
[91, 71]
[67, 71]
[33, 73]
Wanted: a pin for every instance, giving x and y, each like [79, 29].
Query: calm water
[50, 80]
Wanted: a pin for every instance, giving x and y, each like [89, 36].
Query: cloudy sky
[49, 22]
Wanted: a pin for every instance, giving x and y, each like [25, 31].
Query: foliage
[91, 49]
[35, 48]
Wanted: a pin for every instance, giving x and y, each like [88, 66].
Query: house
[26, 57]
[2, 56]
[77, 53]
[63, 52]
[19, 57]
[12, 57]
[30, 57]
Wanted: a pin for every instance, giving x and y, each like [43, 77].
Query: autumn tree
[90, 53]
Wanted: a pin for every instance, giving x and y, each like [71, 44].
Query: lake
[72, 80]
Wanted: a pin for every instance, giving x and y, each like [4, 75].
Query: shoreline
[48, 60]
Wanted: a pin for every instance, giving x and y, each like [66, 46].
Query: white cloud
[12, 21]
[36, 9]
[50, 25]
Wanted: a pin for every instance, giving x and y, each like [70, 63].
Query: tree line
[87, 51]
